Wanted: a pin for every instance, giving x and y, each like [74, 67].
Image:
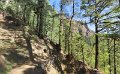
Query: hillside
[45, 37]
[15, 56]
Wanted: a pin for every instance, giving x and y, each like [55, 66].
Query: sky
[69, 11]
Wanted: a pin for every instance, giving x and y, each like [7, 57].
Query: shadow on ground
[14, 56]
[11, 23]
[29, 71]
[35, 71]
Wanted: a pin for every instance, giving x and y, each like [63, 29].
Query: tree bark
[70, 30]
[40, 18]
[119, 2]
[109, 56]
[61, 10]
[53, 22]
[96, 49]
[96, 39]
[114, 58]
[29, 48]
[83, 54]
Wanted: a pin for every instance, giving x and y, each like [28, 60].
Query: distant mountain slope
[78, 26]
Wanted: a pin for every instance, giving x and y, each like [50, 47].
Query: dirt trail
[27, 69]
[23, 69]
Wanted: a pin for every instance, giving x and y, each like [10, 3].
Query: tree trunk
[109, 56]
[96, 40]
[119, 2]
[33, 21]
[24, 15]
[40, 18]
[61, 10]
[96, 49]
[52, 23]
[29, 47]
[96, 44]
[114, 58]
[83, 54]
[70, 30]
[104, 58]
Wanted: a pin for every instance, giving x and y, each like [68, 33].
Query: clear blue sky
[69, 11]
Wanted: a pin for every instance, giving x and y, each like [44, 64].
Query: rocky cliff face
[77, 26]
[84, 29]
